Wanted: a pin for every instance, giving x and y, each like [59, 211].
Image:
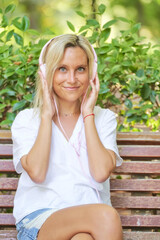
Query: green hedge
[128, 68]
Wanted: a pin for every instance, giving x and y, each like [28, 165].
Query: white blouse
[68, 181]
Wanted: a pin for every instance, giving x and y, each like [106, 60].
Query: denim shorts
[30, 225]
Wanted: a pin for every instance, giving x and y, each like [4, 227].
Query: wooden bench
[135, 186]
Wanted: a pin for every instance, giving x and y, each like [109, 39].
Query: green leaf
[18, 39]
[2, 33]
[123, 19]
[103, 50]
[101, 8]
[4, 22]
[140, 73]
[92, 22]
[110, 23]
[153, 96]
[93, 38]
[9, 35]
[49, 32]
[6, 122]
[19, 105]
[114, 100]
[128, 103]
[8, 91]
[9, 72]
[70, 25]
[81, 14]
[145, 91]
[1, 11]
[2, 106]
[115, 69]
[17, 24]
[103, 89]
[25, 23]
[84, 28]
[33, 32]
[105, 34]
[127, 63]
[20, 72]
[136, 28]
[84, 33]
[10, 8]
[28, 97]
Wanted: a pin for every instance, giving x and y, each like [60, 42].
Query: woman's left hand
[89, 101]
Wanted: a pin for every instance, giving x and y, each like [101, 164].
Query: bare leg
[82, 236]
[99, 220]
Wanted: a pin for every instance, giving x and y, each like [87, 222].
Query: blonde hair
[53, 54]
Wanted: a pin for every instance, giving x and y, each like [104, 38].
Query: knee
[107, 223]
[109, 217]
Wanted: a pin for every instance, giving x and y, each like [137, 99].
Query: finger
[97, 83]
[93, 85]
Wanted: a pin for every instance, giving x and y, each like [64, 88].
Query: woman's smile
[71, 88]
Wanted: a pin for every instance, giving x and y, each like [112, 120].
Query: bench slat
[145, 138]
[5, 136]
[141, 235]
[11, 235]
[117, 202]
[125, 151]
[125, 168]
[135, 202]
[8, 183]
[142, 185]
[6, 150]
[138, 168]
[139, 151]
[140, 221]
[8, 234]
[7, 219]
[6, 166]
[6, 200]
[126, 202]
[116, 184]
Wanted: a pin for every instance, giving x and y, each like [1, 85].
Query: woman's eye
[81, 69]
[62, 69]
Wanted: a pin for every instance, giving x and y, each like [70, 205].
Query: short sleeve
[24, 131]
[106, 126]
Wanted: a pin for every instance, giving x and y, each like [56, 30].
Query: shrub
[18, 64]
[128, 68]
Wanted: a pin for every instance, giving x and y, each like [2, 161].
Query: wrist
[46, 117]
[90, 115]
[85, 113]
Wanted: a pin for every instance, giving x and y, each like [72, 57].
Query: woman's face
[71, 77]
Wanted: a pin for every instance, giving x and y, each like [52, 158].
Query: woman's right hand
[48, 108]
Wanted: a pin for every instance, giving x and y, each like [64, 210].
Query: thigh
[66, 223]
[82, 236]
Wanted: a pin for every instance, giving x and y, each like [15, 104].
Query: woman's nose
[71, 77]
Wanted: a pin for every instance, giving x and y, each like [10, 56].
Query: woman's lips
[71, 88]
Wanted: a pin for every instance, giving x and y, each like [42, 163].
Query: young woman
[65, 149]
